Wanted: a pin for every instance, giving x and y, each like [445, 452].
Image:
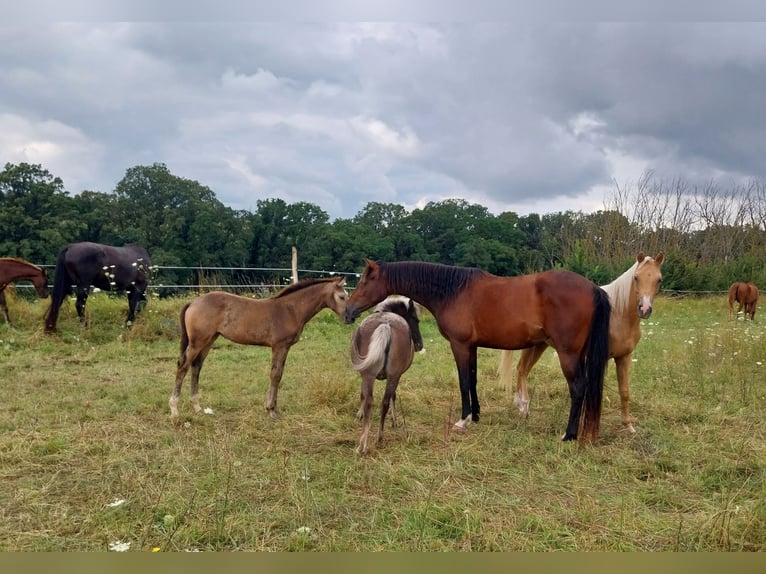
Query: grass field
[90, 457]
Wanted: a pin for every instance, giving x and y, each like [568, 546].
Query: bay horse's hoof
[463, 424]
[568, 437]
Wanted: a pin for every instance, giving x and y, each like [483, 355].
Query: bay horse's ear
[659, 258]
[640, 257]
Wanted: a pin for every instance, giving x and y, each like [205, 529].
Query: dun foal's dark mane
[435, 282]
[302, 284]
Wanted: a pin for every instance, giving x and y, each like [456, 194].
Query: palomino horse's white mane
[619, 289]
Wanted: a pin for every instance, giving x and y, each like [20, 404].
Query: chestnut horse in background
[746, 294]
[474, 308]
[275, 322]
[631, 296]
[382, 348]
[15, 269]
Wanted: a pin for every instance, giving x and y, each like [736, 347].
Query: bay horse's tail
[62, 286]
[377, 350]
[593, 367]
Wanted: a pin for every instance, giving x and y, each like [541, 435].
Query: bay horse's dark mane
[433, 281]
[302, 284]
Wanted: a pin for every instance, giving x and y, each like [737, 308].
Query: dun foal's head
[647, 280]
[337, 296]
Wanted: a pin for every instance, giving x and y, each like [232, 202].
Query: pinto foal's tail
[595, 357]
[377, 350]
[61, 287]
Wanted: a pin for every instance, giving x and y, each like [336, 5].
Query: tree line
[711, 236]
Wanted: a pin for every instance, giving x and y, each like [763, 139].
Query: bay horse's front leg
[465, 359]
[278, 356]
[623, 384]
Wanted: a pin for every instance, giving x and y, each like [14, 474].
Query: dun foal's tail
[184, 332]
[62, 285]
[377, 350]
[593, 367]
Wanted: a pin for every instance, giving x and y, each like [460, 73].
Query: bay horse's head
[647, 280]
[372, 289]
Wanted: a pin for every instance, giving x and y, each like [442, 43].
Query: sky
[530, 116]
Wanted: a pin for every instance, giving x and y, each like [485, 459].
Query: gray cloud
[534, 116]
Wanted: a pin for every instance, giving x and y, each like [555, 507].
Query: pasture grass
[84, 423]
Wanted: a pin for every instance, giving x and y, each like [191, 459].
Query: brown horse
[15, 269]
[275, 322]
[631, 296]
[474, 308]
[382, 348]
[746, 294]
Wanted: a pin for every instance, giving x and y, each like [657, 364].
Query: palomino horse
[474, 308]
[15, 269]
[85, 265]
[275, 322]
[746, 294]
[382, 348]
[631, 296]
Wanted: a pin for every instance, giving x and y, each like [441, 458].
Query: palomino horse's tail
[61, 287]
[184, 332]
[504, 369]
[377, 350]
[593, 367]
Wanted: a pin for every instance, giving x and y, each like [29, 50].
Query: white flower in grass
[117, 502]
[304, 530]
[207, 411]
[119, 546]
[759, 363]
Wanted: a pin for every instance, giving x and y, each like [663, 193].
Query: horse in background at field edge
[16, 269]
[746, 294]
[84, 265]
[474, 308]
[382, 348]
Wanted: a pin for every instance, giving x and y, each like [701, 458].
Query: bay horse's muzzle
[350, 315]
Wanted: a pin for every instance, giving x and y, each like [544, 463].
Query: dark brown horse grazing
[631, 296]
[276, 322]
[746, 294]
[85, 265]
[382, 348]
[15, 269]
[474, 308]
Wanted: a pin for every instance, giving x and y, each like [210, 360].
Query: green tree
[37, 216]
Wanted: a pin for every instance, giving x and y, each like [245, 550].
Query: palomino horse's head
[646, 280]
[337, 296]
[372, 289]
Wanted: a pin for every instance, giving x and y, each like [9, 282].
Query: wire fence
[179, 280]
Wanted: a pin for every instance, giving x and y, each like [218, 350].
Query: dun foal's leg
[184, 363]
[623, 383]
[278, 356]
[196, 367]
[365, 410]
[528, 359]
